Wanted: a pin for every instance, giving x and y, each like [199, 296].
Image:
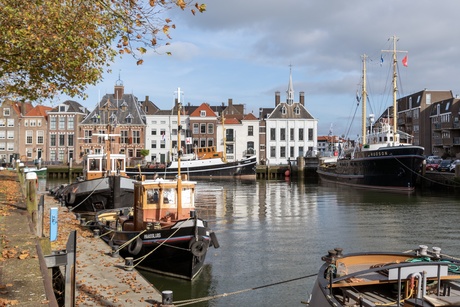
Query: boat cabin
[95, 166]
[159, 202]
[208, 153]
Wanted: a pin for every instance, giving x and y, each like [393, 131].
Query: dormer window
[297, 110]
[129, 119]
[63, 108]
[283, 110]
[124, 105]
[96, 119]
[113, 118]
[203, 113]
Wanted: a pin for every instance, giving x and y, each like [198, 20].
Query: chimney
[277, 98]
[146, 98]
[230, 102]
[119, 90]
[302, 98]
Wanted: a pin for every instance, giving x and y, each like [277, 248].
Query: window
[153, 144]
[61, 154]
[53, 155]
[10, 135]
[2, 134]
[62, 108]
[61, 139]
[210, 128]
[2, 146]
[53, 123]
[250, 130]
[40, 135]
[272, 152]
[301, 134]
[291, 152]
[272, 134]
[229, 149]
[136, 137]
[33, 123]
[202, 128]
[282, 151]
[124, 139]
[282, 134]
[203, 113]
[297, 110]
[70, 123]
[61, 123]
[10, 122]
[153, 132]
[300, 151]
[195, 128]
[210, 142]
[53, 139]
[174, 132]
[29, 137]
[202, 142]
[310, 134]
[291, 134]
[6, 112]
[70, 140]
[26, 123]
[283, 110]
[229, 135]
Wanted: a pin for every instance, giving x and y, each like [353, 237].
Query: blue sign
[53, 224]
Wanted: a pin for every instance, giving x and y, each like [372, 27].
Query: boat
[161, 229]
[421, 277]
[382, 158]
[104, 185]
[41, 172]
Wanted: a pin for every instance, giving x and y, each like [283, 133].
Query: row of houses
[143, 131]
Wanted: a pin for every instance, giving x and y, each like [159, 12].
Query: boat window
[169, 196]
[152, 196]
[94, 164]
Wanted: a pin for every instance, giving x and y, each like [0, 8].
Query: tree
[49, 47]
[144, 153]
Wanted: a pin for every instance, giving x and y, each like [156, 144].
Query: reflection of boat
[383, 158]
[418, 278]
[41, 172]
[161, 230]
[104, 184]
[206, 163]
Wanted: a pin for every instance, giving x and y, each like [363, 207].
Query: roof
[203, 107]
[290, 112]
[39, 111]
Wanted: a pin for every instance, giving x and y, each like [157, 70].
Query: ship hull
[207, 168]
[388, 168]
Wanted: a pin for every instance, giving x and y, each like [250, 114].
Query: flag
[163, 135]
[381, 60]
[404, 61]
[188, 141]
[358, 99]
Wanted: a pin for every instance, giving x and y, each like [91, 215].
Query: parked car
[444, 166]
[432, 165]
[429, 159]
[452, 165]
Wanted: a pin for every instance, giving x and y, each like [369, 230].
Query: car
[453, 165]
[444, 165]
[431, 166]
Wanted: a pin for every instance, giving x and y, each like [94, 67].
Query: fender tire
[198, 247]
[71, 198]
[135, 247]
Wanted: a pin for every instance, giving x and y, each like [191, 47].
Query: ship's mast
[395, 86]
[179, 153]
[364, 97]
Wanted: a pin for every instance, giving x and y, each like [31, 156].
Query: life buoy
[135, 247]
[198, 247]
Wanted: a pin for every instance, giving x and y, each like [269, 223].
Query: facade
[11, 141]
[118, 117]
[34, 132]
[445, 127]
[62, 142]
[203, 125]
[414, 116]
[290, 130]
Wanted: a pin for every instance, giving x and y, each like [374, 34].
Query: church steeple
[119, 89]
[290, 90]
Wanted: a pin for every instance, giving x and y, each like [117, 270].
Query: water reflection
[272, 232]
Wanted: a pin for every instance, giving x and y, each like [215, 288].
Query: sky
[244, 50]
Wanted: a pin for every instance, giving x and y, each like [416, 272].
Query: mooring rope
[208, 298]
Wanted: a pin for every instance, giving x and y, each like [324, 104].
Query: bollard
[129, 263]
[82, 221]
[96, 233]
[115, 251]
[167, 297]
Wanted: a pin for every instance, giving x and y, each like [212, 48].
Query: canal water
[272, 235]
